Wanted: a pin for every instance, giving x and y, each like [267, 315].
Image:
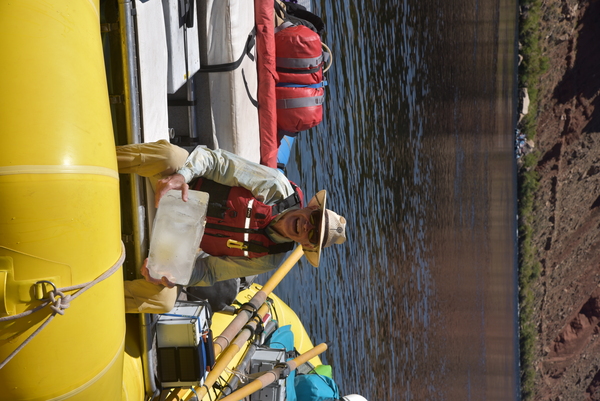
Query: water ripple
[410, 122]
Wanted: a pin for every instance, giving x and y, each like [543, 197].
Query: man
[241, 186]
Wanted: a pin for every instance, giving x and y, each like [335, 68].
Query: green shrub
[533, 65]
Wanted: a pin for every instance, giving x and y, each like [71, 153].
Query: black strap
[235, 64]
[299, 15]
[219, 193]
[223, 227]
[291, 354]
[290, 201]
[186, 13]
[210, 350]
[271, 250]
[301, 12]
[248, 307]
[252, 100]
[298, 71]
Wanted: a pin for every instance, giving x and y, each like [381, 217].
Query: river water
[416, 151]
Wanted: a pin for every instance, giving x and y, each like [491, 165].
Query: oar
[246, 311]
[270, 376]
[244, 315]
[234, 380]
[223, 360]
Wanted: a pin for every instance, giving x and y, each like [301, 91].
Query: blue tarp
[283, 338]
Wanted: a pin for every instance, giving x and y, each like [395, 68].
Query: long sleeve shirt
[268, 185]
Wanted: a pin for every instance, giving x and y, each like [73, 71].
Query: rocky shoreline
[566, 215]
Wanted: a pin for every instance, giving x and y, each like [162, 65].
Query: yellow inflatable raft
[59, 219]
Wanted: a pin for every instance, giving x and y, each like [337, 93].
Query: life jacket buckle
[231, 243]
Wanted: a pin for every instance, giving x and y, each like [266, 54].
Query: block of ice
[176, 235]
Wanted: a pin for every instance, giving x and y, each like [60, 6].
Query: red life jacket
[236, 221]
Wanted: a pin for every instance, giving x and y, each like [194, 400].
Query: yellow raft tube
[59, 197]
[60, 217]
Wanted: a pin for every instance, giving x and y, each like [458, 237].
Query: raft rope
[59, 302]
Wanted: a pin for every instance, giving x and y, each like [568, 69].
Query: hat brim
[313, 255]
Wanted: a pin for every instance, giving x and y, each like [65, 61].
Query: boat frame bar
[134, 135]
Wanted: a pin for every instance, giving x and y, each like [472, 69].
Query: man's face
[298, 226]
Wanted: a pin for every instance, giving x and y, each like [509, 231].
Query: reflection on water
[416, 152]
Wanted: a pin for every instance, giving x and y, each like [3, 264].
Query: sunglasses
[315, 221]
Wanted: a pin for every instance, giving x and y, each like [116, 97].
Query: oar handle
[307, 356]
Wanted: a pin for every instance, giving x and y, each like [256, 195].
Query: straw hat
[333, 229]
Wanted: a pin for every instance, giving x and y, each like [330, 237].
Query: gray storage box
[264, 360]
[181, 339]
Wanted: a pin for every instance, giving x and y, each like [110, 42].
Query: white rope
[244, 378]
[59, 302]
[328, 50]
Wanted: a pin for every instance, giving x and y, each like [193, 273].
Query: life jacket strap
[290, 201]
[231, 229]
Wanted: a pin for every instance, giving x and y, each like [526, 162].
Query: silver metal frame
[134, 135]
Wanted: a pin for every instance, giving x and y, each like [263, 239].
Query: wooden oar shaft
[258, 299]
[226, 356]
[243, 316]
[283, 270]
[223, 341]
[269, 377]
[229, 353]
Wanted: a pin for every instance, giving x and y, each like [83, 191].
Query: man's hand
[146, 273]
[174, 181]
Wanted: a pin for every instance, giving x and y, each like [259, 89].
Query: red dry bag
[299, 108]
[299, 55]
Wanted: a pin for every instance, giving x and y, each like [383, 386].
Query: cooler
[183, 339]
